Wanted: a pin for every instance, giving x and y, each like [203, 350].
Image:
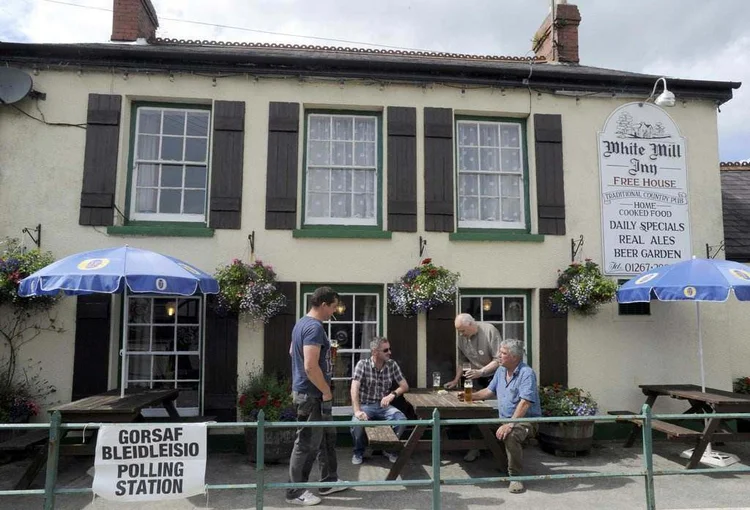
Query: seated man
[517, 397]
[371, 395]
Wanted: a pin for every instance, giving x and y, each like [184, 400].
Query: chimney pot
[564, 47]
[133, 20]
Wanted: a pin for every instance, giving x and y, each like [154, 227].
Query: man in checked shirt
[371, 396]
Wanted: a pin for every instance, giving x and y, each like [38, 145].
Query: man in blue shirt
[517, 397]
[311, 390]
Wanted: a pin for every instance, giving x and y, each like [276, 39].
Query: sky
[696, 39]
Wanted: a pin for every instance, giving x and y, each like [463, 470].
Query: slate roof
[735, 195]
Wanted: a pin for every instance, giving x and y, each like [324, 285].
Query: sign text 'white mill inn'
[643, 174]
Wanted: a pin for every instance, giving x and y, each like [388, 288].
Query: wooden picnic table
[107, 407]
[701, 403]
[425, 402]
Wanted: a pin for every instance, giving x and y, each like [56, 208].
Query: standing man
[517, 397]
[311, 391]
[478, 344]
[371, 395]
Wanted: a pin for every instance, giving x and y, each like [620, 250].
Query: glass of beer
[334, 350]
[435, 381]
[468, 388]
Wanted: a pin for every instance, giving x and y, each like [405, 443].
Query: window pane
[515, 332]
[317, 205]
[139, 367]
[490, 160]
[195, 149]
[139, 338]
[319, 153]
[468, 185]
[320, 127]
[318, 179]
[145, 200]
[171, 176]
[188, 396]
[366, 308]
[364, 154]
[472, 306]
[149, 121]
[364, 129]
[195, 177]
[347, 300]
[514, 309]
[342, 333]
[363, 180]
[188, 367]
[488, 135]
[342, 128]
[510, 136]
[342, 154]
[489, 185]
[194, 202]
[164, 309]
[362, 207]
[197, 124]
[164, 367]
[511, 209]
[174, 122]
[188, 311]
[469, 209]
[341, 206]
[341, 180]
[147, 175]
[139, 310]
[188, 338]
[171, 148]
[468, 159]
[511, 160]
[490, 209]
[163, 338]
[169, 201]
[148, 147]
[495, 311]
[511, 185]
[467, 134]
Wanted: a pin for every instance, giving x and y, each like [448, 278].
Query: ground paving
[713, 491]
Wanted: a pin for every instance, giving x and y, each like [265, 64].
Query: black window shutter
[100, 160]
[281, 173]
[441, 343]
[402, 335]
[277, 334]
[553, 342]
[227, 164]
[550, 190]
[402, 169]
[438, 169]
[220, 377]
[91, 357]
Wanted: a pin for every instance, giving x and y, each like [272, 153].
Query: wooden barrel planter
[278, 444]
[566, 439]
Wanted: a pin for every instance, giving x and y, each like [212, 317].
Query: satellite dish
[14, 85]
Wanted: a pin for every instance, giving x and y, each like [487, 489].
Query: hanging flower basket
[249, 290]
[581, 288]
[422, 288]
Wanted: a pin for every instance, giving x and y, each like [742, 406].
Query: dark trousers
[312, 443]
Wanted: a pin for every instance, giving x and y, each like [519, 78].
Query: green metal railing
[647, 471]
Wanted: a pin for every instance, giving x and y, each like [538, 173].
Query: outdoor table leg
[492, 443]
[171, 409]
[405, 455]
[636, 428]
[708, 432]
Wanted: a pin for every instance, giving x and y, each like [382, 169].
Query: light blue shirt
[521, 386]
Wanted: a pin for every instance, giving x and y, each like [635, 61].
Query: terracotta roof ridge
[735, 165]
[341, 49]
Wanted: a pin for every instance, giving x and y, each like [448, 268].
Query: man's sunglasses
[386, 350]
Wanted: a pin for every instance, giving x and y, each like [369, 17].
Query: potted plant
[272, 395]
[563, 438]
[581, 288]
[249, 290]
[422, 288]
[742, 385]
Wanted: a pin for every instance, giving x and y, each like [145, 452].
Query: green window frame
[164, 170]
[354, 324]
[491, 174]
[495, 306]
[319, 173]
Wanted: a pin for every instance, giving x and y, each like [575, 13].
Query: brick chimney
[133, 19]
[559, 43]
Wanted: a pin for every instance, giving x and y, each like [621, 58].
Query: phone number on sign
[639, 267]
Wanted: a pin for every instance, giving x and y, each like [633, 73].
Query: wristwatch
[394, 393]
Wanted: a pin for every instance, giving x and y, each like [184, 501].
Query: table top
[426, 400]
[711, 396]
[112, 403]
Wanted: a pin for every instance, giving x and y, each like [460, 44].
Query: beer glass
[468, 388]
[435, 381]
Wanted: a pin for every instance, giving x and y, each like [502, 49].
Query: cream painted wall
[41, 174]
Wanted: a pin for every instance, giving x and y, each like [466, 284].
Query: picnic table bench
[383, 437]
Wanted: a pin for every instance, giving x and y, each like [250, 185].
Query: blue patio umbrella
[118, 270]
[690, 280]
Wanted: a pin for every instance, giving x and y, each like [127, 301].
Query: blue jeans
[375, 413]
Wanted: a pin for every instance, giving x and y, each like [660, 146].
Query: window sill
[160, 231]
[341, 233]
[496, 236]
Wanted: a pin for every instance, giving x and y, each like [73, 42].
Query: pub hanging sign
[643, 173]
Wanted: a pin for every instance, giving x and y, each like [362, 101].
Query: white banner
[643, 172]
[150, 462]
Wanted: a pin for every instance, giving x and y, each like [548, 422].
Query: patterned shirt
[375, 384]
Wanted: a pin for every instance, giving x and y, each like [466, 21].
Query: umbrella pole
[124, 339]
[700, 346]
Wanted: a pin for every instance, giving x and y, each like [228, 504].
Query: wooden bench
[672, 431]
[25, 441]
[383, 437]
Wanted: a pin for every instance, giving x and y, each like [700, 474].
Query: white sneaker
[307, 498]
[392, 457]
[356, 459]
[471, 455]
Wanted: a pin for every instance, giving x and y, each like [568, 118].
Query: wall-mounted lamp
[170, 306]
[340, 308]
[666, 98]
[486, 304]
